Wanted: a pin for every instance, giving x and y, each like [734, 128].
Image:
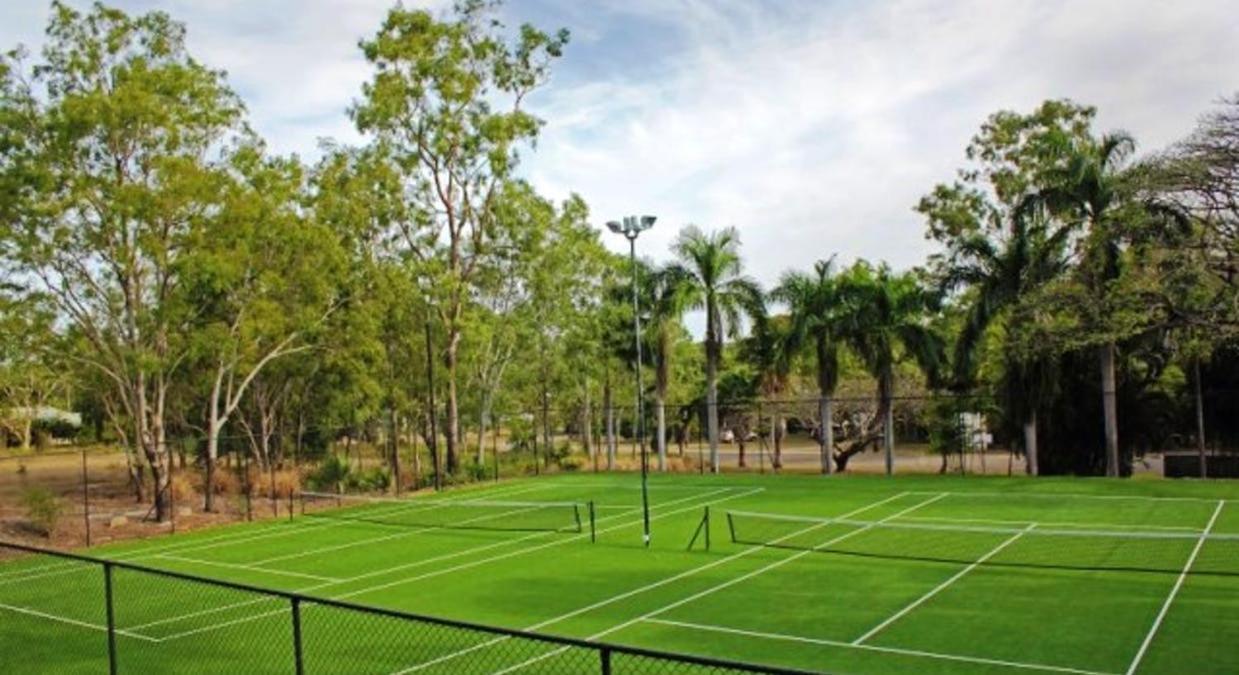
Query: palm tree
[1002, 273]
[712, 271]
[888, 318]
[769, 349]
[666, 300]
[1089, 190]
[816, 318]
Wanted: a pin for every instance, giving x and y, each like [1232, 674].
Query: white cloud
[811, 126]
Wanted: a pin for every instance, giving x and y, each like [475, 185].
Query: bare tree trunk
[1109, 405]
[888, 421]
[587, 425]
[452, 431]
[826, 434]
[776, 436]
[606, 394]
[712, 406]
[661, 440]
[1030, 443]
[1200, 422]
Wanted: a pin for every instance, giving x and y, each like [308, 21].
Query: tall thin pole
[434, 433]
[636, 321]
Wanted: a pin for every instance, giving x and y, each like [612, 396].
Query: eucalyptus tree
[261, 278]
[447, 98]
[817, 319]
[888, 319]
[114, 147]
[714, 281]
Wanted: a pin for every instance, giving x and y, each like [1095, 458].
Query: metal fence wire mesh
[78, 614]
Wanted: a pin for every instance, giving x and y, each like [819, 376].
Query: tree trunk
[776, 437]
[452, 431]
[826, 434]
[606, 395]
[1200, 421]
[712, 405]
[1109, 406]
[887, 386]
[1030, 443]
[587, 425]
[661, 440]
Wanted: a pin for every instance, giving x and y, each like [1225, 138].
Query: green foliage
[332, 474]
[43, 509]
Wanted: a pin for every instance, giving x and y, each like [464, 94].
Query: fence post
[86, 497]
[111, 614]
[604, 653]
[297, 653]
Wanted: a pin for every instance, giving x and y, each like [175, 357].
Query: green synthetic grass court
[936, 574]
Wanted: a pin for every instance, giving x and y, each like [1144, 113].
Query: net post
[297, 649]
[707, 522]
[576, 515]
[604, 655]
[731, 527]
[593, 534]
[111, 616]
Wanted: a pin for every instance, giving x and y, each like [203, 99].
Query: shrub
[377, 479]
[331, 474]
[477, 472]
[43, 509]
[571, 462]
[182, 487]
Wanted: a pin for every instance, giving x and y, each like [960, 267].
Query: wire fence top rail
[604, 650]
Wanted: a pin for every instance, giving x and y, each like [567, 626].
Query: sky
[813, 127]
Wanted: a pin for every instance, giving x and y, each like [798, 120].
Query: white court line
[241, 566]
[475, 563]
[1078, 495]
[403, 533]
[733, 581]
[875, 648]
[1060, 523]
[1161, 615]
[279, 530]
[940, 587]
[337, 582]
[627, 594]
[74, 622]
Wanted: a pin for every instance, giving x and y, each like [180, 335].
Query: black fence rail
[66, 612]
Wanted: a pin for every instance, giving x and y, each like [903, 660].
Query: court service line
[242, 566]
[474, 563]
[1079, 495]
[942, 586]
[402, 534]
[876, 648]
[281, 529]
[1060, 523]
[336, 582]
[733, 581]
[639, 590]
[1161, 615]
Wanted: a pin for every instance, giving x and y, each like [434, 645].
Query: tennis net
[458, 514]
[1026, 546]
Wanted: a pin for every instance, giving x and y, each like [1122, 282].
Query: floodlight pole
[631, 228]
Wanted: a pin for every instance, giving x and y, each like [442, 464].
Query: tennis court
[845, 574]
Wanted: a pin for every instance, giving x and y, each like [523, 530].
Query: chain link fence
[69, 613]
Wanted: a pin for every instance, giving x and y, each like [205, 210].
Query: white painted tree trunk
[662, 434]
